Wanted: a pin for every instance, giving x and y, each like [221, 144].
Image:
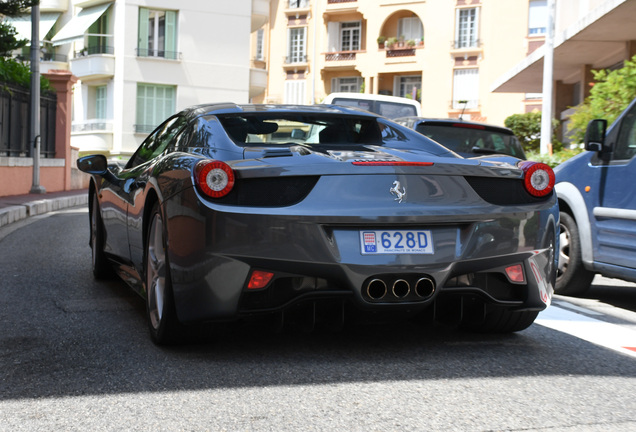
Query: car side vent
[500, 191]
[269, 191]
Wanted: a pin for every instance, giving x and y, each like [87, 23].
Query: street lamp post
[548, 79]
[35, 99]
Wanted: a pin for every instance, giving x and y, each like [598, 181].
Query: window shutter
[333, 33]
[144, 14]
[334, 85]
[171, 35]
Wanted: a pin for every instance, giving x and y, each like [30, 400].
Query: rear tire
[160, 310]
[572, 277]
[101, 266]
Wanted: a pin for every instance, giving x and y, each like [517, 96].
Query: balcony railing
[92, 126]
[52, 57]
[458, 44]
[340, 56]
[340, 1]
[469, 104]
[400, 52]
[169, 55]
[100, 49]
[300, 59]
[140, 128]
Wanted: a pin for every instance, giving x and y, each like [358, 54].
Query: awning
[22, 24]
[79, 24]
[599, 40]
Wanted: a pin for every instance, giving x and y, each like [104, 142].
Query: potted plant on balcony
[401, 41]
[381, 40]
[410, 43]
[390, 43]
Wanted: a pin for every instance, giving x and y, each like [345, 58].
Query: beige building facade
[444, 53]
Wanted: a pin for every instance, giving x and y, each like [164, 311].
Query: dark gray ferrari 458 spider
[227, 212]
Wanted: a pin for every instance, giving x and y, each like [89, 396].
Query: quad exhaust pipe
[377, 288]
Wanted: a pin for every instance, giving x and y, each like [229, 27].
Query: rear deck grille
[500, 191]
[269, 191]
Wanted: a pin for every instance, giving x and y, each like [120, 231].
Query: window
[411, 29]
[295, 92]
[98, 37]
[626, 142]
[466, 88]
[466, 28]
[296, 45]
[346, 85]
[350, 36]
[101, 98]
[154, 104]
[408, 86]
[298, 4]
[157, 33]
[260, 35]
[344, 36]
[537, 17]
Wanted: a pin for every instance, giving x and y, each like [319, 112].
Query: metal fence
[14, 122]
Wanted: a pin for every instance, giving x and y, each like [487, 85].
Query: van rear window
[386, 109]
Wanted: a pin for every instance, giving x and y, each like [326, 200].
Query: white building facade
[139, 61]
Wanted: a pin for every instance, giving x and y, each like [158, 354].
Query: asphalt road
[75, 355]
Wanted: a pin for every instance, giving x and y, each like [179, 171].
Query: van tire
[573, 278]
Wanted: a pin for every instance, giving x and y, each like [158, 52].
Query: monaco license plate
[397, 242]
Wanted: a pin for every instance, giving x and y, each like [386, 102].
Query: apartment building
[139, 61]
[589, 35]
[444, 53]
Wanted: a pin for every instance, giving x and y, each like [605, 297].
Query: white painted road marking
[590, 329]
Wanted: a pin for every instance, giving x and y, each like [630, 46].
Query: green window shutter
[171, 35]
[144, 14]
[101, 100]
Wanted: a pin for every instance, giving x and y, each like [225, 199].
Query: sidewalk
[18, 207]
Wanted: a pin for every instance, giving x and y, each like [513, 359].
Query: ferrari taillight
[538, 178]
[215, 178]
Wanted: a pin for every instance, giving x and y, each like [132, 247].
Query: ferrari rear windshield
[284, 129]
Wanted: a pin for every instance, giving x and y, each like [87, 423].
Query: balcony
[298, 62]
[297, 8]
[342, 59]
[461, 48]
[258, 81]
[341, 6]
[92, 136]
[53, 5]
[93, 63]
[260, 13]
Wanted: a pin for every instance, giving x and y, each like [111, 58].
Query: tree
[610, 94]
[16, 7]
[527, 127]
[8, 40]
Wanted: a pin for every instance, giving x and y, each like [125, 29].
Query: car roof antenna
[465, 102]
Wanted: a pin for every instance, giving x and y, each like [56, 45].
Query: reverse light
[215, 178]
[259, 279]
[538, 178]
[515, 273]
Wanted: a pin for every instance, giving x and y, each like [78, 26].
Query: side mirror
[93, 164]
[595, 135]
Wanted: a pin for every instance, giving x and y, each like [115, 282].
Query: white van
[387, 106]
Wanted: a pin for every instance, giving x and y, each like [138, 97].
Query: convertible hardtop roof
[232, 108]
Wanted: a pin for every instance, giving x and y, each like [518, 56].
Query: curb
[15, 213]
